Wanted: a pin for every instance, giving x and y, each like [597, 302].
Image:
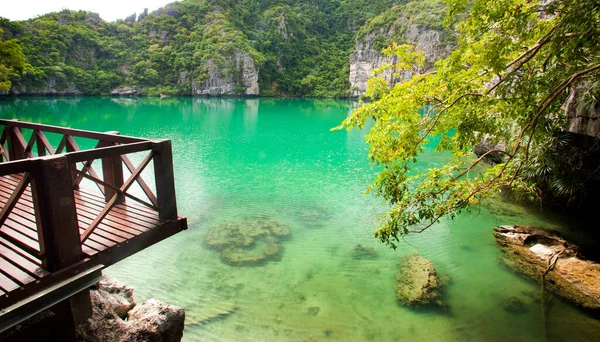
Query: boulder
[530, 251]
[116, 317]
[417, 282]
[125, 91]
[113, 296]
[156, 321]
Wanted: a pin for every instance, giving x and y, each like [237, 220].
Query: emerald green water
[237, 158]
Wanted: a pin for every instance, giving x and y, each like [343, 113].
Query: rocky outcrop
[367, 56]
[583, 112]
[490, 149]
[242, 80]
[536, 253]
[116, 317]
[125, 91]
[417, 282]
[51, 86]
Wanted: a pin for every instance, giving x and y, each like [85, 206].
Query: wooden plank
[32, 258]
[14, 197]
[75, 132]
[105, 237]
[15, 273]
[115, 234]
[126, 231]
[21, 210]
[137, 208]
[100, 240]
[102, 152]
[20, 240]
[121, 210]
[16, 226]
[32, 268]
[113, 215]
[15, 166]
[116, 190]
[6, 284]
[114, 200]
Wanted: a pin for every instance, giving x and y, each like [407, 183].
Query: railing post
[112, 171]
[16, 150]
[55, 213]
[58, 232]
[165, 180]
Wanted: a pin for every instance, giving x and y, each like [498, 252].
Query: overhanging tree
[512, 70]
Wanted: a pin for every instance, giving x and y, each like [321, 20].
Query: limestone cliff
[50, 86]
[583, 112]
[414, 23]
[240, 77]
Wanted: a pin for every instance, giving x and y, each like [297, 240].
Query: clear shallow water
[238, 158]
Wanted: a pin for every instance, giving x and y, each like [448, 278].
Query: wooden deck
[52, 227]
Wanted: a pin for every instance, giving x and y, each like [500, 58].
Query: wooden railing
[53, 174]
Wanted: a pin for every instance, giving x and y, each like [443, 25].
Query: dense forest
[287, 48]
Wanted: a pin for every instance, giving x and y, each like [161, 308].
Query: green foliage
[511, 72]
[12, 61]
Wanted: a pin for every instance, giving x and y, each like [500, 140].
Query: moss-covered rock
[417, 282]
[361, 251]
[251, 241]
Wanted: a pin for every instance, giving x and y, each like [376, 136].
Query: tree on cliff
[12, 61]
[512, 70]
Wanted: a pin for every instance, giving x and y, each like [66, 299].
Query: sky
[109, 10]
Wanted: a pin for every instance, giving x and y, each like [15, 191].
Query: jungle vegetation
[516, 63]
[302, 47]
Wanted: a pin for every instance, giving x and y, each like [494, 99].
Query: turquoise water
[240, 158]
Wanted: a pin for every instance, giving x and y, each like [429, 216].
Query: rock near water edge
[530, 250]
[116, 317]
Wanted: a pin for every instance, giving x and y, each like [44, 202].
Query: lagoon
[240, 159]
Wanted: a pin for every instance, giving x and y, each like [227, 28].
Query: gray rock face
[487, 146]
[417, 282]
[117, 318]
[366, 58]
[245, 75]
[51, 87]
[583, 115]
[113, 296]
[125, 91]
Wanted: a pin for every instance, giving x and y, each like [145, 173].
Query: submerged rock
[417, 282]
[364, 252]
[514, 305]
[116, 317]
[250, 241]
[313, 217]
[210, 313]
[530, 251]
